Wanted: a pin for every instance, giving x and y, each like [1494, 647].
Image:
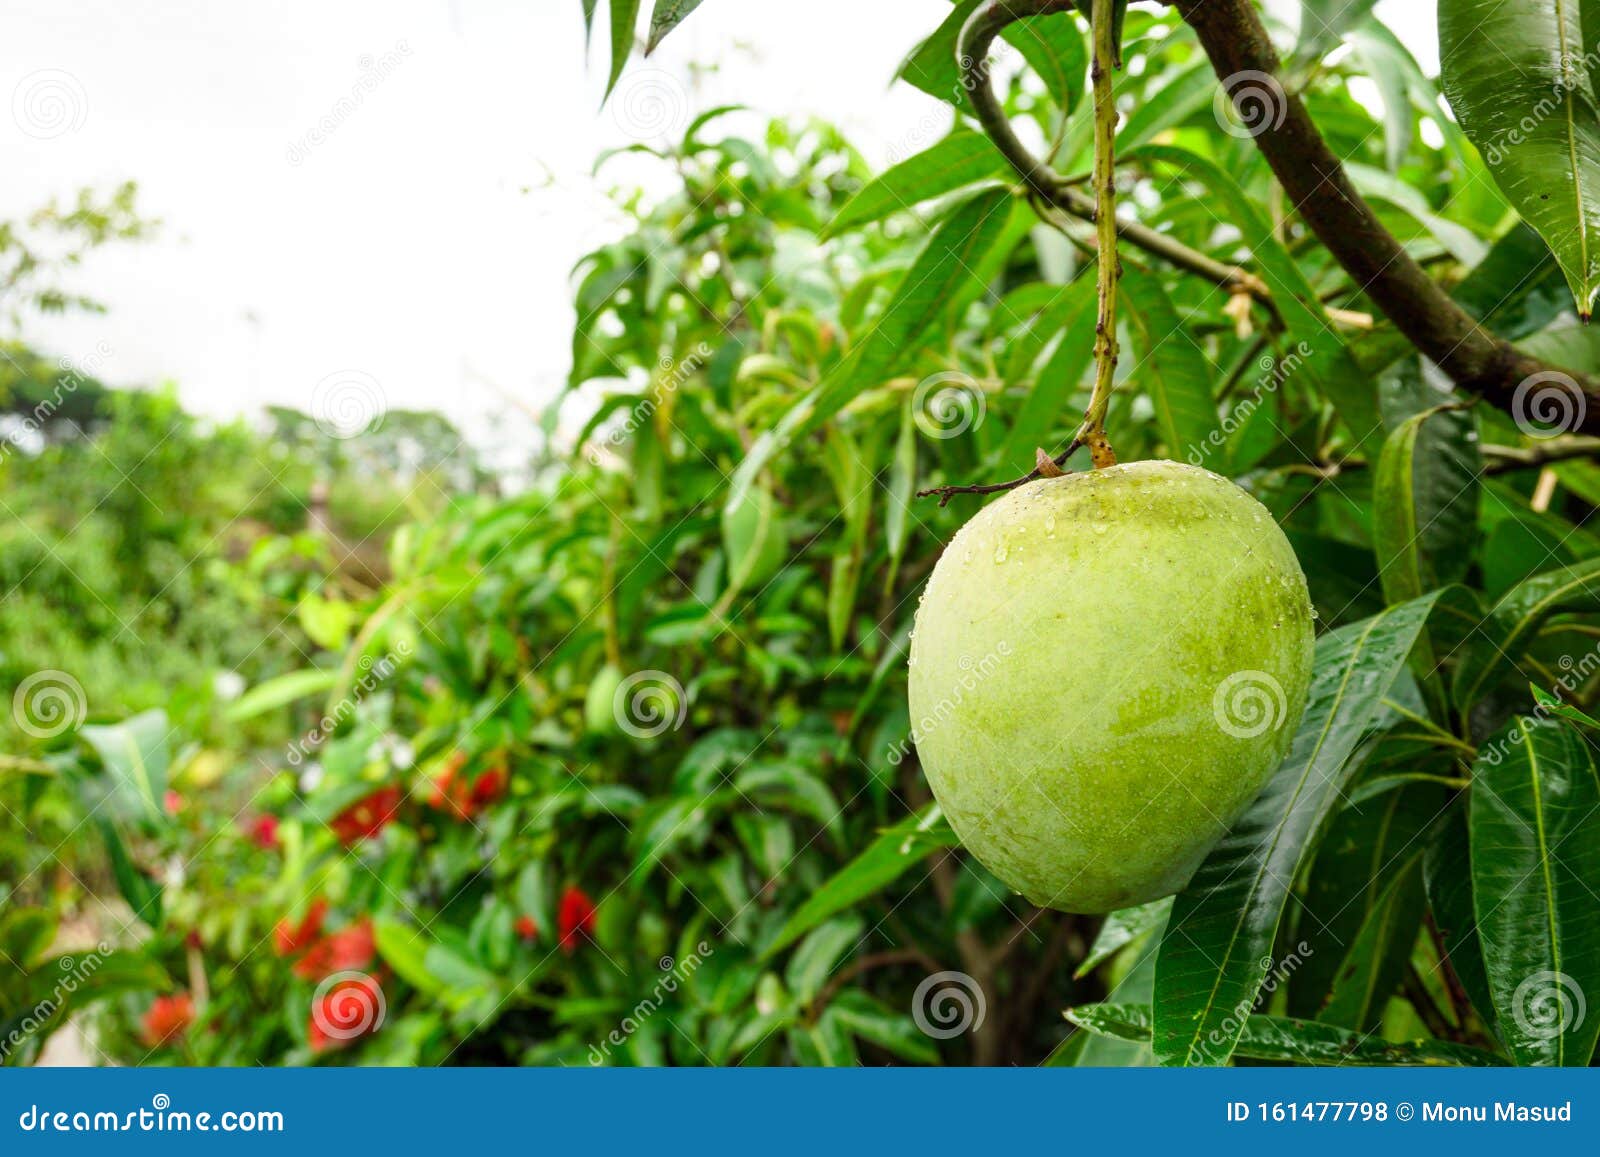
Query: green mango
[1105, 669]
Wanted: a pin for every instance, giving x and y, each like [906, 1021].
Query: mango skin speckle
[1105, 669]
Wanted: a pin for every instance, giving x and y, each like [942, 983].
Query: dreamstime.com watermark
[670, 378]
[647, 703]
[1275, 371]
[1570, 674]
[24, 431]
[1548, 1004]
[948, 1004]
[373, 673]
[49, 103]
[1548, 404]
[348, 404]
[160, 1117]
[1574, 79]
[374, 71]
[948, 404]
[673, 974]
[48, 703]
[649, 104]
[1249, 703]
[972, 674]
[76, 970]
[1250, 103]
[1274, 974]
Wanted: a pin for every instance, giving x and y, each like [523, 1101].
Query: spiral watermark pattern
[1249, 703]
[1548, 403]
[1547, 1004]
[48, 703]
[49, 103]
[1250, 103]
[948, 1004]
[648, 703]
[347, 1005]
[347, 404]
[650, 103]
[947, 405]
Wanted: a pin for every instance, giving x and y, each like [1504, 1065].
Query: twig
[1108, 270]
[945, 493]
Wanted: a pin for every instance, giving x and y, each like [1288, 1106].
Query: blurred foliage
[619, 769]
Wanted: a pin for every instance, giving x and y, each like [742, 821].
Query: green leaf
[1534, 821]
[668, 14]
[1050, 43]
[1378, 956]
[1056, 380]
[1321, 354]
[1447, 877]
[624, 15]
[142, 892]
[1357, 858]
[284, 689]
[894, 1031]
[1425, 502]
[1281, 1038]
[1513, 621]
[1218, 946]
[818, 954]
[1120, 929]
[1324, 22]
[405, 949]
[1174, 371]
[885, 860]
[900, 492]
[752, 539]
[961, 159]
[1517, 75]
[953, 268]
[135, 755]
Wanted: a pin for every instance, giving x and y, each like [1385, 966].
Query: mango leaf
[1050, 43]
[753, 538]
[1175, 373]
[814, 960]
[1282, 1038]
[1517, 75]
[961, 159]
[953, 268]
[1534, 822]
[1324, 22]
[1425, 502]
[1056, 380]
[894, 1031]
[1357, 857]
[1513, 621]
[1447, 877]
[668, 14]
[1120, 929]
[1321, 354]
[1137, 987]
[1218, 946]
[1378, 956]
[624, 15]
[887, 858]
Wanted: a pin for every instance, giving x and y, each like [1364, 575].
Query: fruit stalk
[1093, 432]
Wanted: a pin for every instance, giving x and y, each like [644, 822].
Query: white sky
[426, 241]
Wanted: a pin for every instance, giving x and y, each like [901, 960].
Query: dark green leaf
[961, 159]
[1534, 821]
[668, 14]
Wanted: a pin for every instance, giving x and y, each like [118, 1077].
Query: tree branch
[1477, 360]
[972, 50]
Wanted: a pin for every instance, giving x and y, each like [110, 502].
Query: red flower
[346, 950]
[289, 938]
[367, 816]
[172, 802]
[351, 1009]
[167, 1019]
[489, 786]
[527, 927]
[575, 918]
[263, 831]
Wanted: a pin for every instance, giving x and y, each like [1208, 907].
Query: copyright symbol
[1404, 1111]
